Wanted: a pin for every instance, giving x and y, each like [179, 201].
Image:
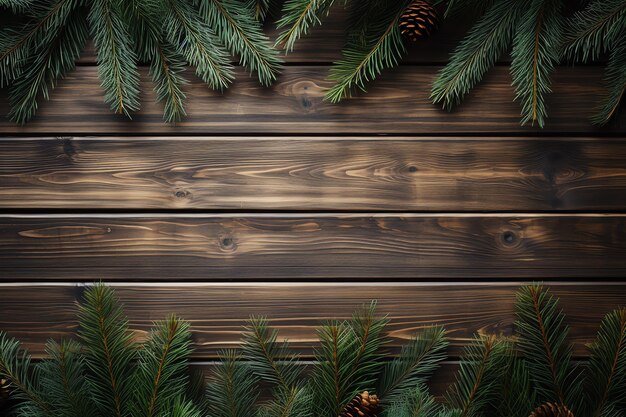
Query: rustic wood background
[273, 201]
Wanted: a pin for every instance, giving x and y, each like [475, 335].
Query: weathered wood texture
[301, 246]
[397, 103]
[455, 174]
[217, 312]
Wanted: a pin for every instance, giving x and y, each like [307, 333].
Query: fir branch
[416, 402]
[299, 16]
[117, 61]
[238, 29]
[516, 394]
[53, 57]
[477, 53]
[535, 54]
[543, 342]
[232, 390]
[364, 58]
[22, 379]
[197, 43]
[109, 351]
[63, 380]
[162, 369]
[606, 369]
[260, 9]
[595, 29]
[270, 360]
[615, 80]
[184, 408]
[291, 402]
[166, 68]
[418, 359]
[477, 382]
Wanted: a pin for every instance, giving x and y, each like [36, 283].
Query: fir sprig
[615, 80]
[299, 16]
[233, 388]
[416, 402]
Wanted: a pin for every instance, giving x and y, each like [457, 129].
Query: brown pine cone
[419, 20]
[362, 405]
[551, 410]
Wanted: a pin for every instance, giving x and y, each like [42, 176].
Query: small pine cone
[362, 405]
[551, 410]
[419, 20]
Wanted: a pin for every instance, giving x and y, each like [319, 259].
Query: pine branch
[260, 9]
[595, 30]
[416, 402]
[197, 43]
[606, 369]
[117, 61]
[232, 390]
[53, 57]
[535, 54]
[516, 394]
[270, 360]
[417, 361]
[166, 70]
[23, 380]
[292, 402]
[162, 369]
[615, 80]
[18, 42]
[543, 342]
[364, 58]
[184, 408]
[479, 375]
[238, 29]
[477, 53]
[63, 380]
[299, 16]
[110, 351]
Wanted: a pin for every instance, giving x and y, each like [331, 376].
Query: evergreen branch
[479, 374]
[17, 42]
[299, 16]
[260, 9]
[606, 369]
[117, 61]
[292, 402]
[22, 380]
[63, 380]
[232, 390]
[242, 34]
[195, 41]
[363, 59]
[595, 29]
[110, 351]
[615, 80]
[477, 53]
[161, 376]
[54, 56]
[535, 55]
[516, 393]
[418, 359]
[416, 402]
[166, 70]
[543, 341]
[184, 408]
[269, 360]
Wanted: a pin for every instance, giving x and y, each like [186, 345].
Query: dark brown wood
[453, 174]
[398, 102]
[35, 313]
[301, 246]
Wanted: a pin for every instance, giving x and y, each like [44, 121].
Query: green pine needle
[110, 351]
[197, 43]
[365, 57]
[536, 52]
[166, 69]
[477, 53]
[615, 80]
[291, 402]
[482, 365]
[543, 342]
[260, 9]
[183, 408]
[233, 389]
[162, 368]
[15, 5]
[416, 402]
[299, 16]
[606, 370]
[516, 394]
[236, 26]
[418, 359]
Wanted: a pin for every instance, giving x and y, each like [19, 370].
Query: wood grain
[398, 102]
[453, 174]
[305, 246]
[218, 311]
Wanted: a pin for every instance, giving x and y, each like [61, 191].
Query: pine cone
[419, 20]
[362, 405]
[551, 410]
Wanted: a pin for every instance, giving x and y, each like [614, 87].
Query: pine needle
[299, 16]
[416, 402]
[233, 389]
[615, 80]
[291, 402]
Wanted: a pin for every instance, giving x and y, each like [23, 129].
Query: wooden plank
[304, 246]
[398, 102]
[450, 174]
[217, 311]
